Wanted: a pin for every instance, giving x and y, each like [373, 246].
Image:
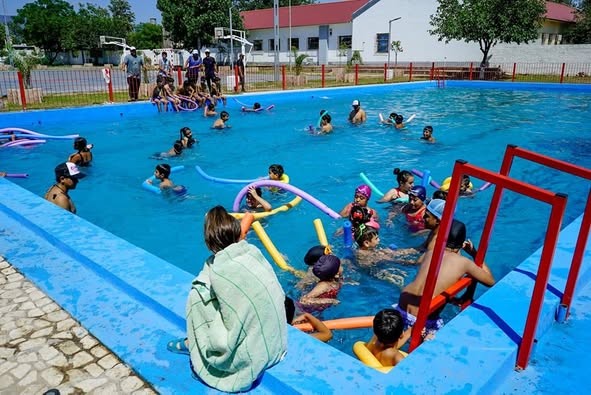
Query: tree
[191, 22]
[46, 24]
[89, 24]
[488, 22]
[24, 63]
[396, 46]
[146, 35]
[248, 5]
[580, 33]
[123, 18]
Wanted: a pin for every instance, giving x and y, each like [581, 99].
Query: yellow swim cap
[445, 184]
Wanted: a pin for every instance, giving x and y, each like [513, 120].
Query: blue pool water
[471, 124]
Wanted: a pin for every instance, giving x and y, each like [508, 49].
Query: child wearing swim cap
[415, 208]
[360, 198]
[328, 269]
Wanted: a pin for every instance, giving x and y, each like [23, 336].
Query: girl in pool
[415, 209]
[187, 138]
[255, 202]
[83, 157]
[360, 198]
[399, 194]
[328, 270]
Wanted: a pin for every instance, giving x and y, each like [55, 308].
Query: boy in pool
[220, 123]
[254, 200]
[428, 134]
[368, 254]
[388, 329]
[256, 107]
[325, 122]
[161, 173]
[276, 173]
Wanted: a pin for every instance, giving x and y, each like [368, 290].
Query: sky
[143, 9]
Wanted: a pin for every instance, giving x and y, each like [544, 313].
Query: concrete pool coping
[134, 303]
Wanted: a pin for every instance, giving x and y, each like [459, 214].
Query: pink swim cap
[364, 190]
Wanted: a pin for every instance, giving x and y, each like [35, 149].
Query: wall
[577, 57]
[412, 30]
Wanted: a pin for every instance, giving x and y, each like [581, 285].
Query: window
[345, 42]
[382, 43]
[295, 43]
[257, 45]
[272, 44]
[312, 42]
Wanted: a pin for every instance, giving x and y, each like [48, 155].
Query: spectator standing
[133, 65]
[210, 67]
[240, 65]
[192, 65]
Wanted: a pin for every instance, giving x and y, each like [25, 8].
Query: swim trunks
[431, 327]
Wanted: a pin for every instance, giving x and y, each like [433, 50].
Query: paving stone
[57, 316]
[131, 384]
[6, 309]
[29, 379]
[15, 314]
[118, 371]
[25, 357]
[107, 389]
[88, 342]
[76, 375]
[99, 351]
[8, 270]
[40, 323]
[6, 366]
[67, 389]
[24, 321]
[52, 376]
[21, 299]
[36, 294]
[42, 302]
[40, 366]
[94, 370]
[27, 306]
[59, 361]
[68, 347]
[14, 277]
[9, 286]
[45, 332]
[5, 382]
[48, 352]
[66, 324]
[81, 359]
[36, 312]
[34, 389]
[3, 339]
[79, 332]
[20, 370]
[62, 335]
[30, 344]
[21, 331]
[144, 391]
[6, 352]
[15, 342]
[8, 326]
[48, 308]
[108, 362]
[90, 384]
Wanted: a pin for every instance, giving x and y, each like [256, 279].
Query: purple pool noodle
[268, 183]
[16, 175]
[22, 143]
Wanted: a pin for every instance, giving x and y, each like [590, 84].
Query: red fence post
[283, 82]
[470, 77]
[432, 72]
[179, 76]
[385, 72]
[21, 85]
[356, 74]
[110, 84]
[323, 76]
[236, 76]
[562, 73]
[514, 69]
[410, 72]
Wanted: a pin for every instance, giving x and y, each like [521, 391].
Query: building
[330, 32]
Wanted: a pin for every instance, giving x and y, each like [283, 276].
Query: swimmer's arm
[346, 210]
[481, 274]
[321, 331]
[321, 301]
[264, 204]
[388, 196]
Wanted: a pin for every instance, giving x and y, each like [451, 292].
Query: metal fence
[80, 86]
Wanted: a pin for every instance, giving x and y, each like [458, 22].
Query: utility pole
[390, 38]
[231, 42]
[276, 38]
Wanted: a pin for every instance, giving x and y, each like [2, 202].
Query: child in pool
[325, 122]
[209, 109]
[324, 294]
[399, 194]
[310, 260]
[161, 173]
[398, 121]
[465, 186]
[83, 157]
[428, 134]
[220, 123]
[187, 138]
[415, 208]
[256, 107]
[254, 200]
[277, 173]
[389, 120]
[320, 331]
[360, 198]
[368, 254]
[388, 329]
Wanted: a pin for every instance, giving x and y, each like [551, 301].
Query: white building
[330, 32]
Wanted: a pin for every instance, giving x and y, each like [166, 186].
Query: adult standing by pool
[133, 66]
[192, 65]
[67, 176]
[210, 67]
[240, 65]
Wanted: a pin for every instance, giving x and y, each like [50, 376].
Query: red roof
[303, 15]
[560, 12]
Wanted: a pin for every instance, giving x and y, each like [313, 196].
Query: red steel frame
[513, 151]
[558, 202]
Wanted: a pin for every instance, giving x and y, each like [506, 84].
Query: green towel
[236, 318]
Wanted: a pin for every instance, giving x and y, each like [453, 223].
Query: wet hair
[326, 117]
[220, 229]
[398, 118]
[439, 194]
[256, 106]
[457, 235]
[211, 106]
[393, 115]
[224, 114]
[164, 169]
[184, 131]
[80, 144]
[276, 169]
[178, 146]
[365, 233]
[359, 215]
[289, 309]
[388, 326]
[429, 128]
[465, 181]
[402, 176]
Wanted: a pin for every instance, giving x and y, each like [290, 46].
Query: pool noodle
[40, 137]
[224, 180]
[30, 132]
[320, 119]
[269, 183]
[411, 118]
[262, 214]
[154, 188]
[22, 142]
[16, 175]
[371, 185]
[272, 250]
[431, 180]
[347, 234]
[320, 232]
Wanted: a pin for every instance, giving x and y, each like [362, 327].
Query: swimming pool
[471, 124]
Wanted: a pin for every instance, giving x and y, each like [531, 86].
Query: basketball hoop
[218, 32]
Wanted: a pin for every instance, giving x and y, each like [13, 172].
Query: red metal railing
[558, 203]
[513, 151]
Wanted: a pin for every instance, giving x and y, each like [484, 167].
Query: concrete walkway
[43, 347]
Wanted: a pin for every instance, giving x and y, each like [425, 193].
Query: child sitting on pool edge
[388, 329]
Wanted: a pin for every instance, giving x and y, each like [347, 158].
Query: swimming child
[276, 173]
[83, 157]
[465, 186]
[368, 254]
[187, 137]
[325, 122]
[256, 107]
[388, 329]
[319, 330]
[398, 121]
[399, 194]
[254, 200]
[415, 208]
[360, 198]
[389, 120]
[176, 149]
[328, 270]
[310, 259]
[209, 109]
[220, 123]
[161, 173]
[428, 134]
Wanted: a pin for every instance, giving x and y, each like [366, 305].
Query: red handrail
[558, 202]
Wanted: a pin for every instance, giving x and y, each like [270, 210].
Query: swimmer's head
[256, 106]
[393, 116]
[359, 215]
[435, 208]
[439, 194]
[405, 178]
[366, 236]
[224, 115]
[315, 253]
[428, 131]
[178, 147]
[276, 170]
[418, 191]
[457, 235]
[388, 326]
[327, 267]
[356, 103]
[398, 118]
[250, 200]
[363, 190]
[186, 132]
[163, 169]
[80, 143]
[327, 118]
